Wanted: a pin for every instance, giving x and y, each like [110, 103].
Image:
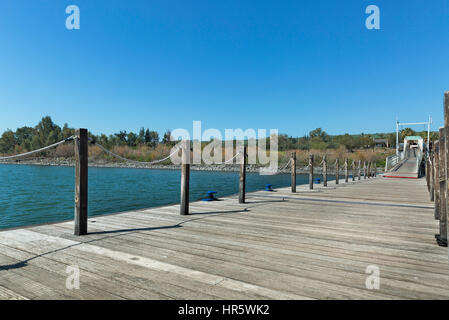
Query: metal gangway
[408, 163]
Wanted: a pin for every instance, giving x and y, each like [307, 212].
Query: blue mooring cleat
[210, 196]
[268, 187]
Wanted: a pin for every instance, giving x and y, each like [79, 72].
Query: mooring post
[337, 170]
[346, 170]
[364, 170]
[311, 171]
[81, 179]
[360, 169]
[325, 171]
[242, 180]
[446, 168]
[293, 171]
[185, 177]
[443, 189]
[436, 158]
[369, 170]
[353, 170]
[432, 176]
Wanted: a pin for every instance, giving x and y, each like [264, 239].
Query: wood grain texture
[277, 245]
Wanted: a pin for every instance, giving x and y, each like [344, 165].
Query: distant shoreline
[63, 162]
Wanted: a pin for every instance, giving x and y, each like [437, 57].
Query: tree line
[46, 132]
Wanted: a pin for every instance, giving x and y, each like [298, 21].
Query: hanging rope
[228, 161]
[132, 161]
[38, 150]
[288, 163]
[331, 166]
[322, 161]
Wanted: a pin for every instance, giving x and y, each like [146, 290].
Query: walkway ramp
[316, 244]
[408, 167]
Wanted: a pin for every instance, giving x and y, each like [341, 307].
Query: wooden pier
[311, 244]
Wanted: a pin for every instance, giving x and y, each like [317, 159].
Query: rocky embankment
[65, 162]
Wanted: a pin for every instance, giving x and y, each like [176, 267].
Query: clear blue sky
[291, 65]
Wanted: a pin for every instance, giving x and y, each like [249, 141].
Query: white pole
[397, 137]
[428, 135]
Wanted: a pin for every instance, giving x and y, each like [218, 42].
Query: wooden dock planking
[278, 245]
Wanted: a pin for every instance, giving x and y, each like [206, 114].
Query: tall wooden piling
[293, 171]
[437, 179]
[337, 171]
[185, 177]
[346, 170]
[360, 169]
[311, 171]
[432, 175]
[443, 189]
[353, 170]
[364, 170]
[444, 218]
[325, 171]
[81, 179]
[242, 180]
[369, 170]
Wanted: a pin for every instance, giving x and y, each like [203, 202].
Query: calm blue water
[41, 194]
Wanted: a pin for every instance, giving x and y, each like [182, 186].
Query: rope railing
[228, 161]
[130, 160]
[81, 160]
[287, 164]
[37, 150]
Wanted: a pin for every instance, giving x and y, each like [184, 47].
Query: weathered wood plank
[318, 245]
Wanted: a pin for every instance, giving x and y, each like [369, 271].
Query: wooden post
[442, 180]
[337, 171]
[360, 169]
[293, 170]
[185, 177]
[442, 239]
[346, 170]
[432, 177]
[311, 171]
[436, 176]
[364, 170]
[443, 217]
[325, 171]
[242, 180]
[369, 170]
[353, 170]
[81, 178]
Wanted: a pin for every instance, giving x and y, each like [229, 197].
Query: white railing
[391, 162]
[419, 156]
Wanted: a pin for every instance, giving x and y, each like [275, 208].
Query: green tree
[132, 139]
[147, 136]
[319, 133]
[407, 132]
[348, 141]
[67, 132]
[46, 133]
[24, 136]
[167, 137]
[141, 138]
[154, 139]
[121, 137]
[7, 141]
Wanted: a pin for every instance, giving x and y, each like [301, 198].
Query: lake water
[40, 194]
